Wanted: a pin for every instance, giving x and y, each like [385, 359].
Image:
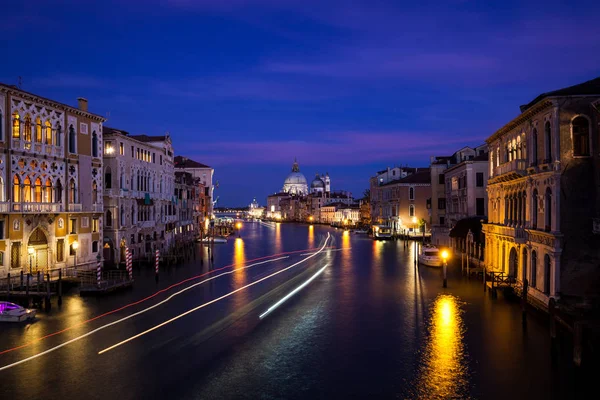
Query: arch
[534, 146]
[27, 190]
[38, 130]
[411, 210]
[411, 193]
[524, 264]
[94, 144]
[534, 210]
[72, 139]
[16, 131]
[38, 241]
[37, 190]
[27, 128]
[108, 218]
[548, 141]
[48, 132]
[547, 272]
[58, 189]
[72, 192]
[580, 134]
[58, 138]
[512, 263]
[48, 191]
[548, 210]
[533, 268]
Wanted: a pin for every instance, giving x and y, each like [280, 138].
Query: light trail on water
[211, 302]
[293, 292]
[132, 315]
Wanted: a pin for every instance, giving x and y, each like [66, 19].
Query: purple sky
[346, 87]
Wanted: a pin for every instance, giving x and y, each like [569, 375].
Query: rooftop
[591, 87]
[149, 139]
[184, 162]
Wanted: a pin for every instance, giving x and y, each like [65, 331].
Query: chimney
[82, 104]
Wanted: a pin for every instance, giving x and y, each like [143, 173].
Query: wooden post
[48, 292]
[27, 289]
[577, 343]
[445, 284]
[8, 286]
[484, 279]
[38, 282]
[21, 287]
[60, 287]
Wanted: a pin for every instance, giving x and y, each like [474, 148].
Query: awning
[462, 227]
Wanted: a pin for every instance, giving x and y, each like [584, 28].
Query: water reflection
[278, 245]
[311, 237]
[444, 373]
[239, 259]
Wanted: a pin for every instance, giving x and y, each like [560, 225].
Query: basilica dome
[295, 183]
[317, 183]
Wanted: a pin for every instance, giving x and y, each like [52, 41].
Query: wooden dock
[105, 287]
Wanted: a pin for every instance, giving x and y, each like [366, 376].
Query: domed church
[295, 183]
[321, 184]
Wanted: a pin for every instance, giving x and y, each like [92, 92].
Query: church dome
[295, 178]
[317, 183]
[295, 183]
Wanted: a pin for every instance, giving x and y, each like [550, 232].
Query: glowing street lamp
[75, 246]
[310, 218]
[239, 227]
[30, 250]
[445, 266]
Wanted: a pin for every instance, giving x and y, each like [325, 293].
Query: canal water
[368, 324]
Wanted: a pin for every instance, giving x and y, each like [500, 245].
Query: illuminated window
[38, 130]
[27, 129]
[94, 193]
[121, 149]
[48, 191]
[38, 190]
[72, 192]
[48, 132]
[95, 225]
[27, 190]
[16, 126]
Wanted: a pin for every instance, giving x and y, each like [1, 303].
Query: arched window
[534, 146]
[16, 194]
[108, 218]
[548, 142]
[533, 268]
[72, 138]
[94, 144]
[58, 189]
[132, 215]
[581, 136]
[38, 130]
[27, 190]
[411, 210]
[16, 126]
[94, 192]
[547, 270]
[27, 129]
[48, 191]
[72, 192]
[58, 138]
[38, 191]
[107, 178]
[518, 148]
[548, 209]
[411, 193]
[534, 209]
[48, 132]
[122, 215]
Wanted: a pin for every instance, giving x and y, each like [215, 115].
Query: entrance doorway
[37, 252]
[512, 263]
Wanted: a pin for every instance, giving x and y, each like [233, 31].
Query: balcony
[37, 207]
[510, 170]
[75, 207]
[98, 208]
[38, 148]
[518, 234]
[147, 224]
[4, 207]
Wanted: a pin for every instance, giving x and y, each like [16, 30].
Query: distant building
[204, 177]
[543, 191]
[255, 210]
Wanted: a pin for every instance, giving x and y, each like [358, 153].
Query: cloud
[350, 148]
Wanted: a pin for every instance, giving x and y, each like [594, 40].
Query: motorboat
[382, 232]
[11, 312]
[361, 231]
[213, 239]
[430, 256]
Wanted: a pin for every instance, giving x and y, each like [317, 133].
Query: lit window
[16, 126]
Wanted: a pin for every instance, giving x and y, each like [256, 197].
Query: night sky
[347, 87]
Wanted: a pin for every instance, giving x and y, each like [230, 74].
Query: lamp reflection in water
[239, 274]
[444, 373]
[311, 237]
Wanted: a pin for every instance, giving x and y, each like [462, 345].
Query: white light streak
[132, 315]
[293, 292]
[209, 302]
[344, 248]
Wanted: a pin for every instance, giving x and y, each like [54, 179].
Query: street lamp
[239, 227]
[30, 250]
[75, 246]
[445, 259]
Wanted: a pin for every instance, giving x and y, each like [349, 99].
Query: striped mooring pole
[99, 273]
[156, 256]
[128, 262]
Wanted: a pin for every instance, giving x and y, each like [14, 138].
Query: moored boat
[430, 256]
[11, 312]
[216, 239]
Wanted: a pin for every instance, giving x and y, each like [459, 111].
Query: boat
[361, 231]
[11, 312]
[382, 232]
[215, 239]
[430, 256]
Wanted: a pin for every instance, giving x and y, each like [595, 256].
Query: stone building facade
[139, 201]
[203, 179]
[50, 183]
[543, 194]
[187, 194]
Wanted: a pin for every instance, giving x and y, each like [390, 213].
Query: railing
[75, 207]
[146, 224]
[107, 279]
[37, 207]
[4, 207]
[518, 166]
[98, 207]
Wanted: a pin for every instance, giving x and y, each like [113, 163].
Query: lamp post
[445, 266]
[239, 228]
[30, 250]
[75, 245]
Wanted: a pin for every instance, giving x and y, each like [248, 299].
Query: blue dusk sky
[347, 87]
